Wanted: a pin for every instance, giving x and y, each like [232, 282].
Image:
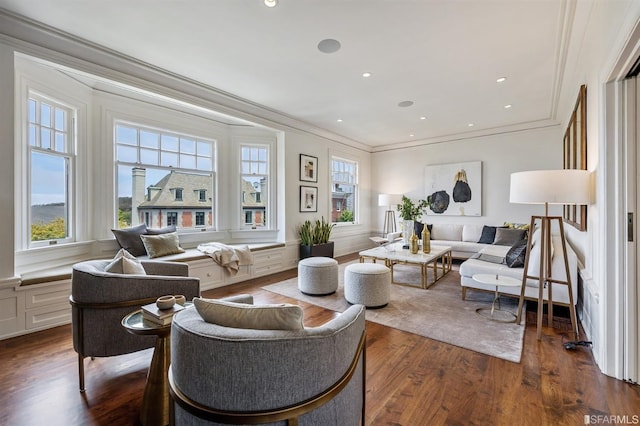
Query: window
[51, 157]
[200, 219]
[344, 190]
[172, 218]
[157, 170]
[254, 181]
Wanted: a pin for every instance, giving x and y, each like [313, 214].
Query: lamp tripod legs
[389, 223]
[545, 275]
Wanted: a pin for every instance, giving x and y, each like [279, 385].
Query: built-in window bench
[41, 299]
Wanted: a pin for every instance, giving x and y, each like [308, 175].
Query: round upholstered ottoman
[318, 276]
[368, 284]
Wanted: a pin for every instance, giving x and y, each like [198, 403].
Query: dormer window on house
[177, 194]
[202, 194]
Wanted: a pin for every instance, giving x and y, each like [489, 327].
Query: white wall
[347, 237]
[596, 53]
[401, 171]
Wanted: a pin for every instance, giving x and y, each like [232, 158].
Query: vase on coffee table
[407, 228]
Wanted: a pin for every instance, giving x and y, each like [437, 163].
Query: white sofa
[560, 292]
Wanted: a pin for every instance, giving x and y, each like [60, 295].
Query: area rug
[437, 313]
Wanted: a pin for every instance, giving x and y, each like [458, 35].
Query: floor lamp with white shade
[390, 201]
[546, 187]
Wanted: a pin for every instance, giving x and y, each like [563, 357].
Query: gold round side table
[155, 403]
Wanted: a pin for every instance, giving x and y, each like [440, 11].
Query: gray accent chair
[314, 376]
[100, 300]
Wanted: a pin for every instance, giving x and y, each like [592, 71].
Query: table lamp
[390, 201]
[548, 187]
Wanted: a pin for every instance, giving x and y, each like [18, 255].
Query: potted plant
[410, 211]
[314, 239]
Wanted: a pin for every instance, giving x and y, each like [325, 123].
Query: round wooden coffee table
[495, 313]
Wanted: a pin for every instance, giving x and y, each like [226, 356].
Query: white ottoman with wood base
[367, 284]
[318, 276]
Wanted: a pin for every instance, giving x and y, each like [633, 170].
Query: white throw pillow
[125, 263]
[257, 317]
[471, 233]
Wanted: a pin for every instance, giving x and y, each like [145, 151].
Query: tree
[54, 230]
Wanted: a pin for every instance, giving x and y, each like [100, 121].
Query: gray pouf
[318, 276]
[368, 284]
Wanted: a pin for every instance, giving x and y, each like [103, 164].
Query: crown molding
[60, 48]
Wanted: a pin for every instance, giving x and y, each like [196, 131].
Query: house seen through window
[163, 178]
[344, 190]
[254, 181]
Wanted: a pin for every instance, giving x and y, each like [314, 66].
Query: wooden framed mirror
[575, 155]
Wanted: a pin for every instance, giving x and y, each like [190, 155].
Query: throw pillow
[257, 317]
[488, 235]
[129, 239]
[508, 236]
[417, 228]
[125, 263]
[516, 254]
[161, 245]
[158, 231]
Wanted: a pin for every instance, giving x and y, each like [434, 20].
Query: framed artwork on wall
[308, 168]
[455, 189]
[308, 198]
[575, 156]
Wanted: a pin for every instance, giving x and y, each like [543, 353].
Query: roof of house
[191, 185]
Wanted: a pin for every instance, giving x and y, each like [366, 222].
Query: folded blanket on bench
[230, 258]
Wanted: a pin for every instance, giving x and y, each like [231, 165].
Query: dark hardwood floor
[411, 380]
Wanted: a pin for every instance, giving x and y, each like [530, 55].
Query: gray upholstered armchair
[101, 299]
[311, 376]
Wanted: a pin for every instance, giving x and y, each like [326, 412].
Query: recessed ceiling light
[366, 74]
[405, 104]
[423, 118]
[329, 45]
[507, 106]
[270, 3]
[501, 80]
[411, 135]
[470, 124]
[339, 120]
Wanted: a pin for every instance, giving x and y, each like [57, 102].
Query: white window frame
[355, 184]
[144, 125]
[69, 154]
[269, 176]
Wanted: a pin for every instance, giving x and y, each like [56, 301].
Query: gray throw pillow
[516, 255]
[488, 234]
[129, 239]
[162, 245]
[158, 231]
[508, 236]
[257, 317]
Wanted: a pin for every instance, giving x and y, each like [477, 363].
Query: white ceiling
[444, 55]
